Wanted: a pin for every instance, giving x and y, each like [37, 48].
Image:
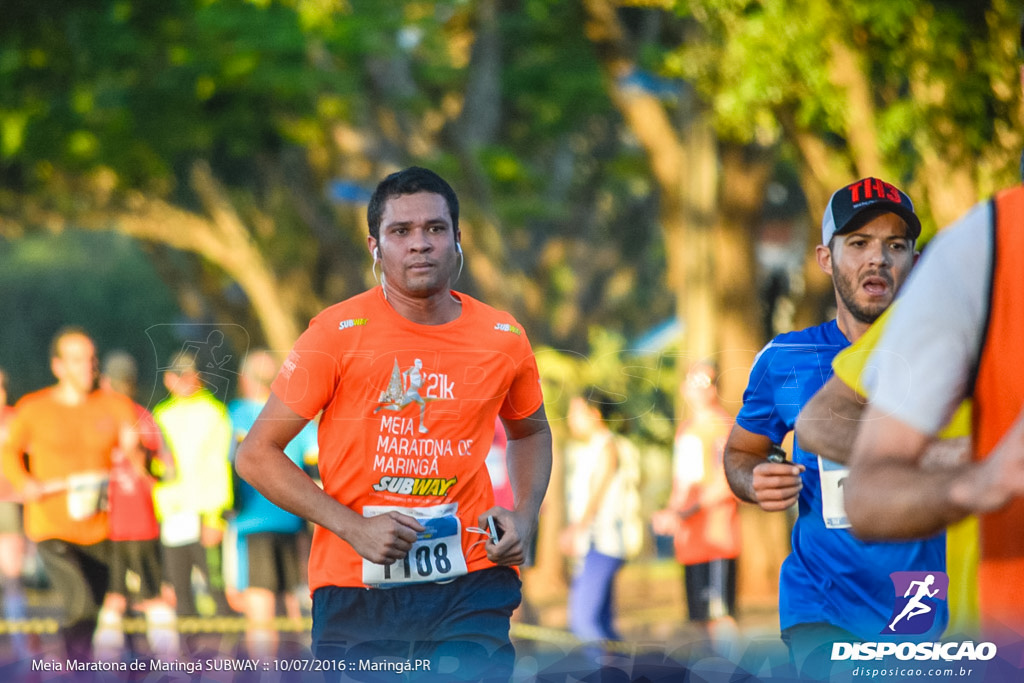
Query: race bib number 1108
[436, 555]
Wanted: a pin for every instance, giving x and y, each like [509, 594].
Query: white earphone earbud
[458, 247]
[373, 268]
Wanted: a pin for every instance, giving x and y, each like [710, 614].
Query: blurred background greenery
[642, 181]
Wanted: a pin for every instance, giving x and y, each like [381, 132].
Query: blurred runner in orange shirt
[68, 432]
[702, 514]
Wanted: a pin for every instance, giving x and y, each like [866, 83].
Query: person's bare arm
[773, 486]
[892, 493]
[889, 493]
[828, 423]
[994, 481]
[12, 451]
[262, 462]
[528, 457]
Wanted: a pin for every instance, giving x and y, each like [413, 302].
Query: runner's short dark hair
[409, 181]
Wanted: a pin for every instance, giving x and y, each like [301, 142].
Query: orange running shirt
[408, 415]
[61, 440]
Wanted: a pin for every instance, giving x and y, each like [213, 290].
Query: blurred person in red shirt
[134, 529]
[702, 513]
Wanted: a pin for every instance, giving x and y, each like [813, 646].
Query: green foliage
[140, 87]
[115, 96]
[753, 59]
[750, 57]
[644, 385]
[552, 82]
[100, 281]
[134, 92]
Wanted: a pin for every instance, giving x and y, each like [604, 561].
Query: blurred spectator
[69, 432]
[12, 538]
[267, 535]
[191, 505]
[134, 530]
[605, 527]
[497, 468]
[702, 513]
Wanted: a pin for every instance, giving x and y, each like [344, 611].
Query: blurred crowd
[138, 514]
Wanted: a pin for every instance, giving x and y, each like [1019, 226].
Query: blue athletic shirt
[830, 576]
[254, 513]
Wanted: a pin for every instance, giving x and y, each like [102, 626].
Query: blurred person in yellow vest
[191, 505]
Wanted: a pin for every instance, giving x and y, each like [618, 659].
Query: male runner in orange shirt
[68, 432]
[409, 377]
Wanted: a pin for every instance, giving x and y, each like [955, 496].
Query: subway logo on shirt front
[416, 486]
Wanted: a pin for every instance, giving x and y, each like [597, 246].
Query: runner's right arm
[828, 423]
[262, 462]
[13, 461]
[773, 486]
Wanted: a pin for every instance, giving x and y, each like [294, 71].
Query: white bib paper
[84, 492]
[833, 508]
[435, 556]
[180, 528]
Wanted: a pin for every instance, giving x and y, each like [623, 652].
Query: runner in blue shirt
[268, 553]
[832, 587]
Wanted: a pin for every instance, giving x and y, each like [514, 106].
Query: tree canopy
[612, 157]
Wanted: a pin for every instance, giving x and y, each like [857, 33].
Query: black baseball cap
[854, 205]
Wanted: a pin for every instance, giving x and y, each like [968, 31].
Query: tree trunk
[698, 255]
[846, 71]
[822, 172]
[745, 173]
[238, 254]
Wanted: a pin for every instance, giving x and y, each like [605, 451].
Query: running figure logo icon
[917, 595]
[396, 397]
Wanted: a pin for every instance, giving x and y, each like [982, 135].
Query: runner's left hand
[515, 536]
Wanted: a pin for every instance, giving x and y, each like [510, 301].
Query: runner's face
[417, 244]
[75, 364]
[870, 264]
[182, 384]
[699, 388]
